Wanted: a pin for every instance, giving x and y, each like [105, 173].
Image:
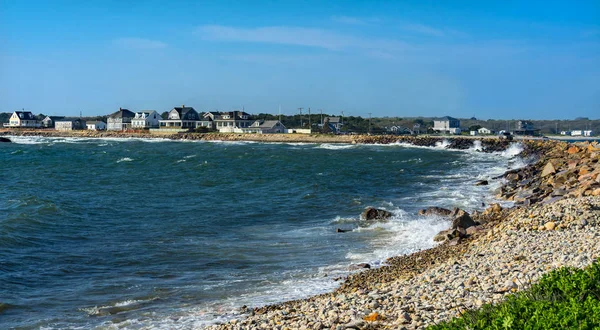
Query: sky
[483, 59]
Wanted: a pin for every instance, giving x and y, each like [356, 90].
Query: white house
[484, 131]
[146, 119]
[181, 118]
[474, 133]
[588, 133]
[576, 133]
[95, 125]
[49, 121]
[447, 124]
[565, 133]
[22, 119]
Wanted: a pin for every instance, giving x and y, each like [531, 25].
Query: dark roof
[94, 122]
[237, 115]
[122, 113]
[25, 114]
[446, 118]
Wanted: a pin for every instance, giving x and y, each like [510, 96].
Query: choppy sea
[152, 234]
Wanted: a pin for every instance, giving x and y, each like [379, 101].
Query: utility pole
[321, 117]
[280, 113]
[309, 121]
[369, 123]
[300, 109]
[342, 120]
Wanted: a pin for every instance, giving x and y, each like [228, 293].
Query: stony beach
[553, 224]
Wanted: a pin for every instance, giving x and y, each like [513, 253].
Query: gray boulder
[371, 213]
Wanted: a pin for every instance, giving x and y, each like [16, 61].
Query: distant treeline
[379, 125]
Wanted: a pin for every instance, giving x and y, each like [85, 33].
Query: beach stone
[359, 266]
[550, 225]
[548, 169]
[435, 211]
[462, 220]
[371, 213]
[482, 183]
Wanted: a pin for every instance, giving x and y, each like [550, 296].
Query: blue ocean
[152, 234]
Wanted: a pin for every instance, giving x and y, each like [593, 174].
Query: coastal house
[22, 119]
[399, 130]
[447, 125]
[588, 133]
[49, 121]
[232, 121]
[145, 119]
[485, 131]
[335, 123]
[180, 118]
[120, 120]
[69, 124]
[265, 127]
[525, 127]
[96, 125]
[565, 132]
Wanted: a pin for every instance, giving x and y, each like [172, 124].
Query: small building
[49, 121]
[22, 119]
[69, 124]
[525, 127]
[474, 133]
[145, 119]
[96, 125]
[180, 118]
[266, 127]
[588, 133]
[565, 132]
[485, 131]
[120, 120]
[447, 125]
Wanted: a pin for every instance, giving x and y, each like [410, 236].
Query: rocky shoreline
[553, 224]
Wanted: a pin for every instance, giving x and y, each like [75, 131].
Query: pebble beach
[553, 224]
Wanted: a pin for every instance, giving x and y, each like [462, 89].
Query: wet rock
[339, 230]
[359, 266]
[371, 213]
[3, 139]
[482, 183]
[435, 211]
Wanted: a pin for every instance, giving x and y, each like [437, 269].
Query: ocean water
[152, 234]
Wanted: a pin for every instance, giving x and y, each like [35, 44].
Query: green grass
[566, 298]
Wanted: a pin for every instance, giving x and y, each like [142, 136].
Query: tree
[474, 127]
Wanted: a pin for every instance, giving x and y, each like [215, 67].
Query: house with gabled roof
[180, 118]
[22, 119]
[265, 127]
[145, 119]
[95, 125]
[230, 121]
[120, 120]
[49, 121]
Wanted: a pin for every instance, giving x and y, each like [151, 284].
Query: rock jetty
[554, 223]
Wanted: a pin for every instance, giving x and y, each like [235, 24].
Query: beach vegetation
[567, 298]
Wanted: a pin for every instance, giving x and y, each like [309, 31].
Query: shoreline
[553, 224]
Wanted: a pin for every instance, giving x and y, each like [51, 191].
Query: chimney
[120, 109]
[183, 105]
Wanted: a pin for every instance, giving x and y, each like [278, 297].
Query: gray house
[181, 118]
[265, 127]
[69, 124]
[49, 121]
[447, 125]
[120, 120]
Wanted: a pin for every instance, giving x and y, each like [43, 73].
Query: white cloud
[298, 36]
[354, 20]
[139, 43]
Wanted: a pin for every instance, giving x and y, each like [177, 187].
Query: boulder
[482, 183]
[435, 211]
[339, 230]
[548, 169]
[3, 139]
[461, 219]
[371, 213]
[493, 209]
[359, 266]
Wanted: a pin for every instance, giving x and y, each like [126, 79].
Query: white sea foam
[125, 159]
[335, 146]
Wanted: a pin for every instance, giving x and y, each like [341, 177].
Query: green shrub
[567, 298]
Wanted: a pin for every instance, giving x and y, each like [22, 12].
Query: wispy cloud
[139, 43]
[275, 58]
[299, 36]
[354, 20]
[423, 29]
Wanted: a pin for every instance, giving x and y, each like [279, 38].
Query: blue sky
[505, 59]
